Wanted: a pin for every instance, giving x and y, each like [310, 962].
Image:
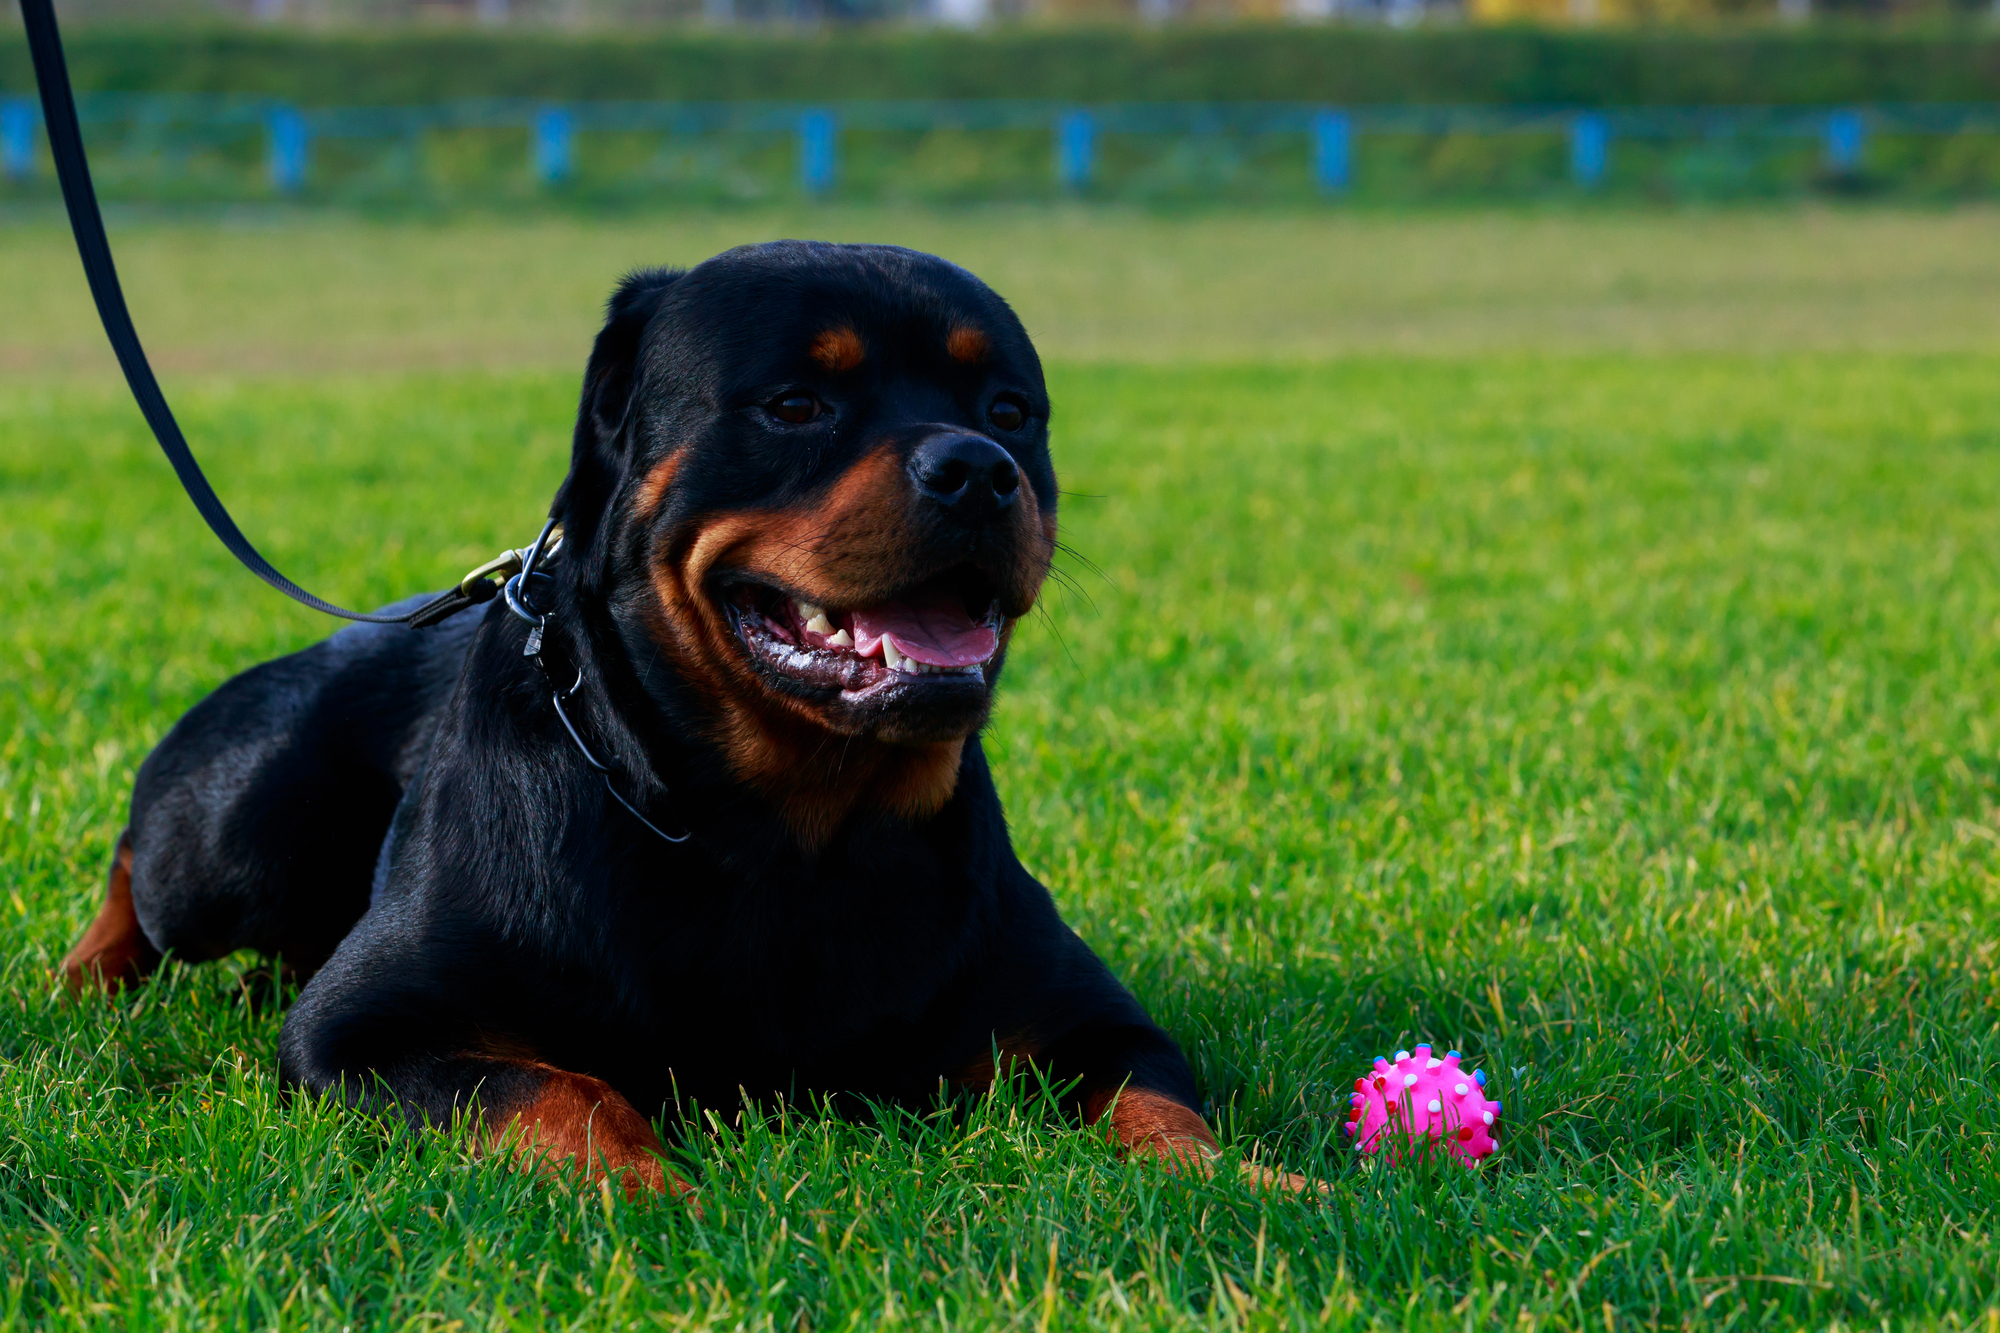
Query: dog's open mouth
[941, 633]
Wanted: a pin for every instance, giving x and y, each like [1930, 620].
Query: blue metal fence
[17, 138]
[164, 125]
[1846, 133]
[290, 142]
[1076, 149]
[554, 128]
[1589, 148]
[1332, 150]
[817, 131]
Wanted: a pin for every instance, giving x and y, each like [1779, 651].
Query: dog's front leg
[551, 1118]
[407, 1050]
[544, 1117]
[1137, 1088]
[1132, 1081]
[1144, 1122]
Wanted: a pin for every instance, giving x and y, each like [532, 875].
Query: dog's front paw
[1264, 1177]
[576, 1120]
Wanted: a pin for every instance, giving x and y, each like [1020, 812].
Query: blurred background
[606, 104]
[305, 184]
[387, 184]
[970, 13]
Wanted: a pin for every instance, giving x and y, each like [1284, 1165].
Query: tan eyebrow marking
[839, 349]
[653, 489]
[968, 344]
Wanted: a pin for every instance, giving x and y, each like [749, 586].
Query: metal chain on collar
[518, 592]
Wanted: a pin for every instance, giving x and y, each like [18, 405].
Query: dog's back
[256, 822]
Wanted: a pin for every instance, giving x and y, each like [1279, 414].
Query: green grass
[1626, 723]
[308, 294]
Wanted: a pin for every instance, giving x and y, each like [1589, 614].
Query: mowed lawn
[1626, 722]
[309, 294]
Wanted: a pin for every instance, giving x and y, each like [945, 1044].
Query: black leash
[516, 568]
[80, 199]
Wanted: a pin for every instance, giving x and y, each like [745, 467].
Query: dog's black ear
[597, 451]
[607, 383]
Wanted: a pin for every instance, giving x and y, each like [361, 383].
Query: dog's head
[818, 477]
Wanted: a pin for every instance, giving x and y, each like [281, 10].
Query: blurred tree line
[627, 14]
[1353, 64]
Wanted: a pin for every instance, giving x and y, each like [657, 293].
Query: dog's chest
[777, 970]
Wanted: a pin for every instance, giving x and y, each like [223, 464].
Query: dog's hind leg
[114, 952]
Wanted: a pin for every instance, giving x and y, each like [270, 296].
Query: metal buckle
[516, 589]
[509, 563]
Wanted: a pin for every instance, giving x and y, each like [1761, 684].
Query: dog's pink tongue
[934, 630]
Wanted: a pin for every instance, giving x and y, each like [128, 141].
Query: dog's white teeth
[911, 665]
[818, 623]
[841, 640]
[891, 657]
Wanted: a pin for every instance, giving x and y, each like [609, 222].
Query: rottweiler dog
[703, 812]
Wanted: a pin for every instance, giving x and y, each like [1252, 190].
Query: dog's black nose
[969, 475]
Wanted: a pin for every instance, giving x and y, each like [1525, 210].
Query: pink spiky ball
[1397, 1106]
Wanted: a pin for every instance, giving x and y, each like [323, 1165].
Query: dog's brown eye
[1007, 414]
[794, 409]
